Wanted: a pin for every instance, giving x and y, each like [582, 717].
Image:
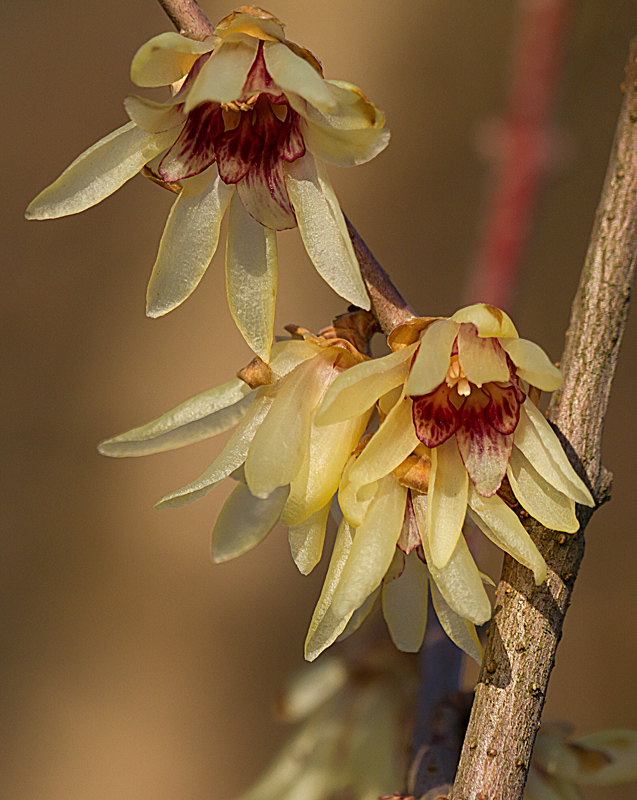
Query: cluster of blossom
[409, 444]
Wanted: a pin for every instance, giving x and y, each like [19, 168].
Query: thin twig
[528, 620]
[388, 305]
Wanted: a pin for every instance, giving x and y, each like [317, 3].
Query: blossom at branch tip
[287, 468]
[560, 765]
[249, 128]
[455, 392]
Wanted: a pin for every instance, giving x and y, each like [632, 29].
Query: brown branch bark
[388, 305]
[527, 623]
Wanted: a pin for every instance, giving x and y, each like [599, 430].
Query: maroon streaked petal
[485, 451]
[260, 82]
[503, 410]
[264, 194]
[290, 144]
[435, 417]
[237, 149]
[409, 537]
[516, 382]
[180, 97]
[193, 152]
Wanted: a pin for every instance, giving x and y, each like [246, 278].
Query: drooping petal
[405, 605]
[354, 500]
[599, 759]
[200, 417]
[489, 320]
[435, 416]
[290, 144]
[294, 74]
[344, 148]
[194, 150]
[323, 229]
[359, 616]
[288, 354]
[326, 625]
[481, 359]
[263, 192]
[279, 446]
[251, 278]
[188, 243]
[237, 149]
[388, 447]
[459, 582]
[537, 440]
[306, 540]
[244, 521]
[447, 501]
[358, 388]
[539, 498]
[503, 409]
[166, 58]
[229, 459]
[152, 116]
[485, 451]
[461, 632]
[410, 537]
[373, 547]
[99, 172]
[432, 359]
[533, 365]
[222, 77]
[497, 521]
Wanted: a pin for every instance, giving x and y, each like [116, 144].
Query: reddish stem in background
[524, 151]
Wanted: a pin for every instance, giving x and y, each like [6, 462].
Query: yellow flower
[353, 733]
[249, 127]
[456, 391]
[286, 467]
[559, 765]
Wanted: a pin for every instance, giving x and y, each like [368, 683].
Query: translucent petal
[200, 417]
[358, 388]
[600, 759]
[533, 365]
[405, 605]
[482, 359]
[222, 77]
[244, 521]
[447, 501]
[489, 320]
[278, 449]
[306, 540]
[152, 116]
[537, 440]
[293, 74]
[189, 241]
[500, 524]
[229, 459]
[354, 500]
[359, 616]
[326, 625]
[288, 354]
[99, 171]
[323, 230]
[461, 632]
[251, 278]
[543, 501]
[432, 360]
[388, 447]
[167, 58]
[373, 547]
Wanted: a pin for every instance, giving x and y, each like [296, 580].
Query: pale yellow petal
[359, 616]
[533, 365]
[600, 759]
[358, 388]
[222, 76]
[198, 418]
[500, 523]
[354, 501]
[373, 547]
[537, 496]
[481, 359]
[461, 632]
[278, 449]
[294, 74]
[151, 116]
[167, 58]
[99, 171]
[306, 540]
[405, 605]
[323, 231]
[244, 521]
[432, 360]
[489, 320]
[189, 241]
[251, 278]
[447, 501]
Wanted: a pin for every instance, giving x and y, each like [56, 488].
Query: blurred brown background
[133, 667]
